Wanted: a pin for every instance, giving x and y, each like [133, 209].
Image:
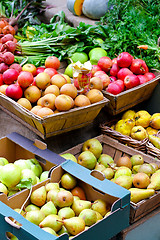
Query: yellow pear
[155, 181]
[142, 118]
[151, 130]
[138, 194]
[155, 141]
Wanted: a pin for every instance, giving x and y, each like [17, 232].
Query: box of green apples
[24, 162]
[55, 209]
[102, 153]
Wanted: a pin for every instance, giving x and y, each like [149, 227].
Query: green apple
[23, 164]
[69, 156]
[79, 56]
[44, 175]
[87, 159]
[29, 174]
[3, 161]
[95, 54]
[10, 175]
[35, 166]
[69, 70]
[93, 145]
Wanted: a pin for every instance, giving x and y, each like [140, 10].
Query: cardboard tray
[15, 146]
[129, 98]
[116, 150]
[52, 125]
[94, 188]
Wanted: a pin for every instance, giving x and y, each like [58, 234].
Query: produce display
[133, 173]
[19, 175]
[63, 208]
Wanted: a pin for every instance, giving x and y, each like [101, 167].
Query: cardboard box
[116, 150]
[94, 188]
[54, 124]
[130, 98]
[15, 146]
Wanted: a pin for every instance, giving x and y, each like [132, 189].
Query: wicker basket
[139, 145]
[130, 98]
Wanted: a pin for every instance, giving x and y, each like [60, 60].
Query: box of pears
[24, 163]
[72, 203]
[136, 128]
[128, 167]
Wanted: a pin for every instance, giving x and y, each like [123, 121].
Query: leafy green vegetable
[24, 183]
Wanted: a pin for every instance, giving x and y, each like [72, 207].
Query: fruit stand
[119, 98]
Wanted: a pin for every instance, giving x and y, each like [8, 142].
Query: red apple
[142, 79]
[39, 70]
[114, 60]
[3, 67]
[95, 68]
[16, 66]
[9, 76]
[14, 91]
[120, 83]
[34, 82]
[99, 73]
[105, 63]
[25, 79]
[114, 69]
[150, 75]
[138, 66]
[1, 79]
[113, 79]
[51, 71]
[131, 81]
[114, 88]
[123, 72]
[124, 59]
[105, 79]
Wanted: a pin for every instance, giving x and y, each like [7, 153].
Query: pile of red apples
[121, 73]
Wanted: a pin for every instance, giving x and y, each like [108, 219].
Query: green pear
[66, 212]
[10, 175]
[39, 196]
[146, 168]
[35, 216]
[3, 161]
[100, 206]
[64, 199]
[135, 169]
[155, 181]
[79, 205]
[74, 225]
[68, 181]
[87, 159]
[23, 164]
[154, 165]
[154, 140]
[62, 230]
[108, 172]
[105, 159]
[122, 171]
[29, 174]
[99, 216]
[3, 188]
[52, 195]
[49, 208]
[31, 207]
[93, 145]
[50, 230]
[53, 221]
[14, 238]
[75, 198]
[124, 181]
[138, 194]
[137, 159]
[44, 176]
[69, 156]
[89, 216]
[51, 185]
[99, 167]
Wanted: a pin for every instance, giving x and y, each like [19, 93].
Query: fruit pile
[133, 173]
[19, 175]
[43, 90]
[139, 125]
[63, 208]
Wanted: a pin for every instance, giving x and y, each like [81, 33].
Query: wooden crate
[55, 124]
[129, 98]
[116, 150]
